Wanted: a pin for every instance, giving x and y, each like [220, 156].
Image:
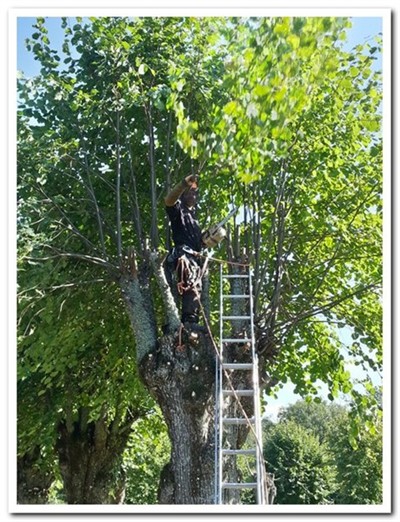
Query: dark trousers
[190, 307]
[188, 273]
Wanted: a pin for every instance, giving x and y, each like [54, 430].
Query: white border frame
[206, 10]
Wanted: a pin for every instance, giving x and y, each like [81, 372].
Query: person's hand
[191, 181]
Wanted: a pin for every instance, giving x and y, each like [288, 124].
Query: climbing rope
[183, 267]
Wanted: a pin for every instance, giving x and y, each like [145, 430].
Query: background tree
[146, 454]
[302, 466]
[354, 467]
[281, 122]
[358, 455]
[321, 418]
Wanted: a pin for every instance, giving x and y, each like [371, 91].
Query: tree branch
[96, 205]
[171, 309]
[153, 187]
[57, 287]
[71, 227]
[278, 208]
[84, 257]
[118, 188]
[324, 308]
[135, 206]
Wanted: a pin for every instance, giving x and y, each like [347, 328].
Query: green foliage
[359, 468]
[103, 105]
[355, 467]
[301, 465]
[75, 354]
[147, 453]
[278, 119]
[298, 144]
[265, 102]
[319, 418]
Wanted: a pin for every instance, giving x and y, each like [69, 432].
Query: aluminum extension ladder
[224, 392]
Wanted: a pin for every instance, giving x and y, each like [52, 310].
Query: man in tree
[186, 234]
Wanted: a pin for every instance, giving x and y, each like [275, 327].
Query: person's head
[189, 197]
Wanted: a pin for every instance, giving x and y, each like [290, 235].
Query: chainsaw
[217, 233]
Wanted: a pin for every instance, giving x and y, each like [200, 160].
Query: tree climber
[186, 234]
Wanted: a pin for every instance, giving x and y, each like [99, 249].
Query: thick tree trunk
[90, 458]
[34, 480]
[183, 382]
[180, 373]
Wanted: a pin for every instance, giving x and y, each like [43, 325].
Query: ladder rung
[246, 340]
[237, 366]
[239, 452]
[238, 485]
[236, 296]
[235, 276]
[240, 393]
[238, 420]
[230, 317]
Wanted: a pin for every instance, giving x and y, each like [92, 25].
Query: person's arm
[175, 193]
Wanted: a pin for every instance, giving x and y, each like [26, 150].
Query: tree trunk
[180, 373]
[90, 458]
[34, 480]
[183, 382]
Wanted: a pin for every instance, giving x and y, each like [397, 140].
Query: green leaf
[293, 41]
[261, 90]
[231, 108]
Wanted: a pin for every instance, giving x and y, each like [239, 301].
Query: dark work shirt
[185, 227]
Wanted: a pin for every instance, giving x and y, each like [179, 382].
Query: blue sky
[364, 29]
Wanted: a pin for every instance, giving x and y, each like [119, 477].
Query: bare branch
[118, 187]
[272, 230]
[31, 319]
[57, 287]
[71, 227]
[286, 326]
[84, 257]
[153, 187]
[135, 204]
[96, 205]
[111, 231]
[273, 306]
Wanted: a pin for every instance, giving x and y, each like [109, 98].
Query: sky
[364, 29]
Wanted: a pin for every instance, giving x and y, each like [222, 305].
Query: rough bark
[34, 480]
[182, 380]
[90, 457]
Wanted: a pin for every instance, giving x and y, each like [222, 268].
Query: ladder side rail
[216, 432]
[220, 394]
[257, 416]
[259, 447]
